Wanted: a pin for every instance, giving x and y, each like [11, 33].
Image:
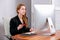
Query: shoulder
[13, 19]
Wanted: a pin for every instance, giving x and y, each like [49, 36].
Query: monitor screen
[39, 15]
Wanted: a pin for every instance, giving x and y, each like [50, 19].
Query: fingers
[20, 26]
[24, 24]
[31, 29]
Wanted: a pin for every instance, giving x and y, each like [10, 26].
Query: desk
[38, 37]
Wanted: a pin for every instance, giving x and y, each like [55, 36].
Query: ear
[18, 10]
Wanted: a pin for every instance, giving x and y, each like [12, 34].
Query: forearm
[28, 29]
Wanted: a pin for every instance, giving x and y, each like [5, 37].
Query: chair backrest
[6, 21]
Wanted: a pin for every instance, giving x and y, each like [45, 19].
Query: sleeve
[13, 28]
[27, 29]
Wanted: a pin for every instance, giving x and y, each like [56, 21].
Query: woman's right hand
[20, 26]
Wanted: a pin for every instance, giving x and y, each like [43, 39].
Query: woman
[19, 24]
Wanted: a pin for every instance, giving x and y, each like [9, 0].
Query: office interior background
[8, 9]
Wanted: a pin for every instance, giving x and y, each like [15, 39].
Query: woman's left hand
[31, 29]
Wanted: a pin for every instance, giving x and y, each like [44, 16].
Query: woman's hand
[20, 26]
[31, 29]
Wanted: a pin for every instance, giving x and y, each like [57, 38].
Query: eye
[23, 8]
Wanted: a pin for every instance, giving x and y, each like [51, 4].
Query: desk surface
[38, 37]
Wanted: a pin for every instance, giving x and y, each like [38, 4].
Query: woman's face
[22, 10]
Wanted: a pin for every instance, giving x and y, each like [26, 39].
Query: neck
[20, 16]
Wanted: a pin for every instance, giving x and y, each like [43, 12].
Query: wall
[57, 14]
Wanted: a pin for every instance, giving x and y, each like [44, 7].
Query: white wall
[7, 8]
[57, 14]
[57, 19]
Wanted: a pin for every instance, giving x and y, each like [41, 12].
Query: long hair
[24, 18]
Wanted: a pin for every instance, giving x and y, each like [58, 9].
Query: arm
[13, 27]
[27, 29]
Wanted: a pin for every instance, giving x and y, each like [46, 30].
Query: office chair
[6, 21]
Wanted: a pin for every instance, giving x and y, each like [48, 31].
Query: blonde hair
[25, 19]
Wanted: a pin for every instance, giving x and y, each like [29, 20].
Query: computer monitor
[39, 15]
